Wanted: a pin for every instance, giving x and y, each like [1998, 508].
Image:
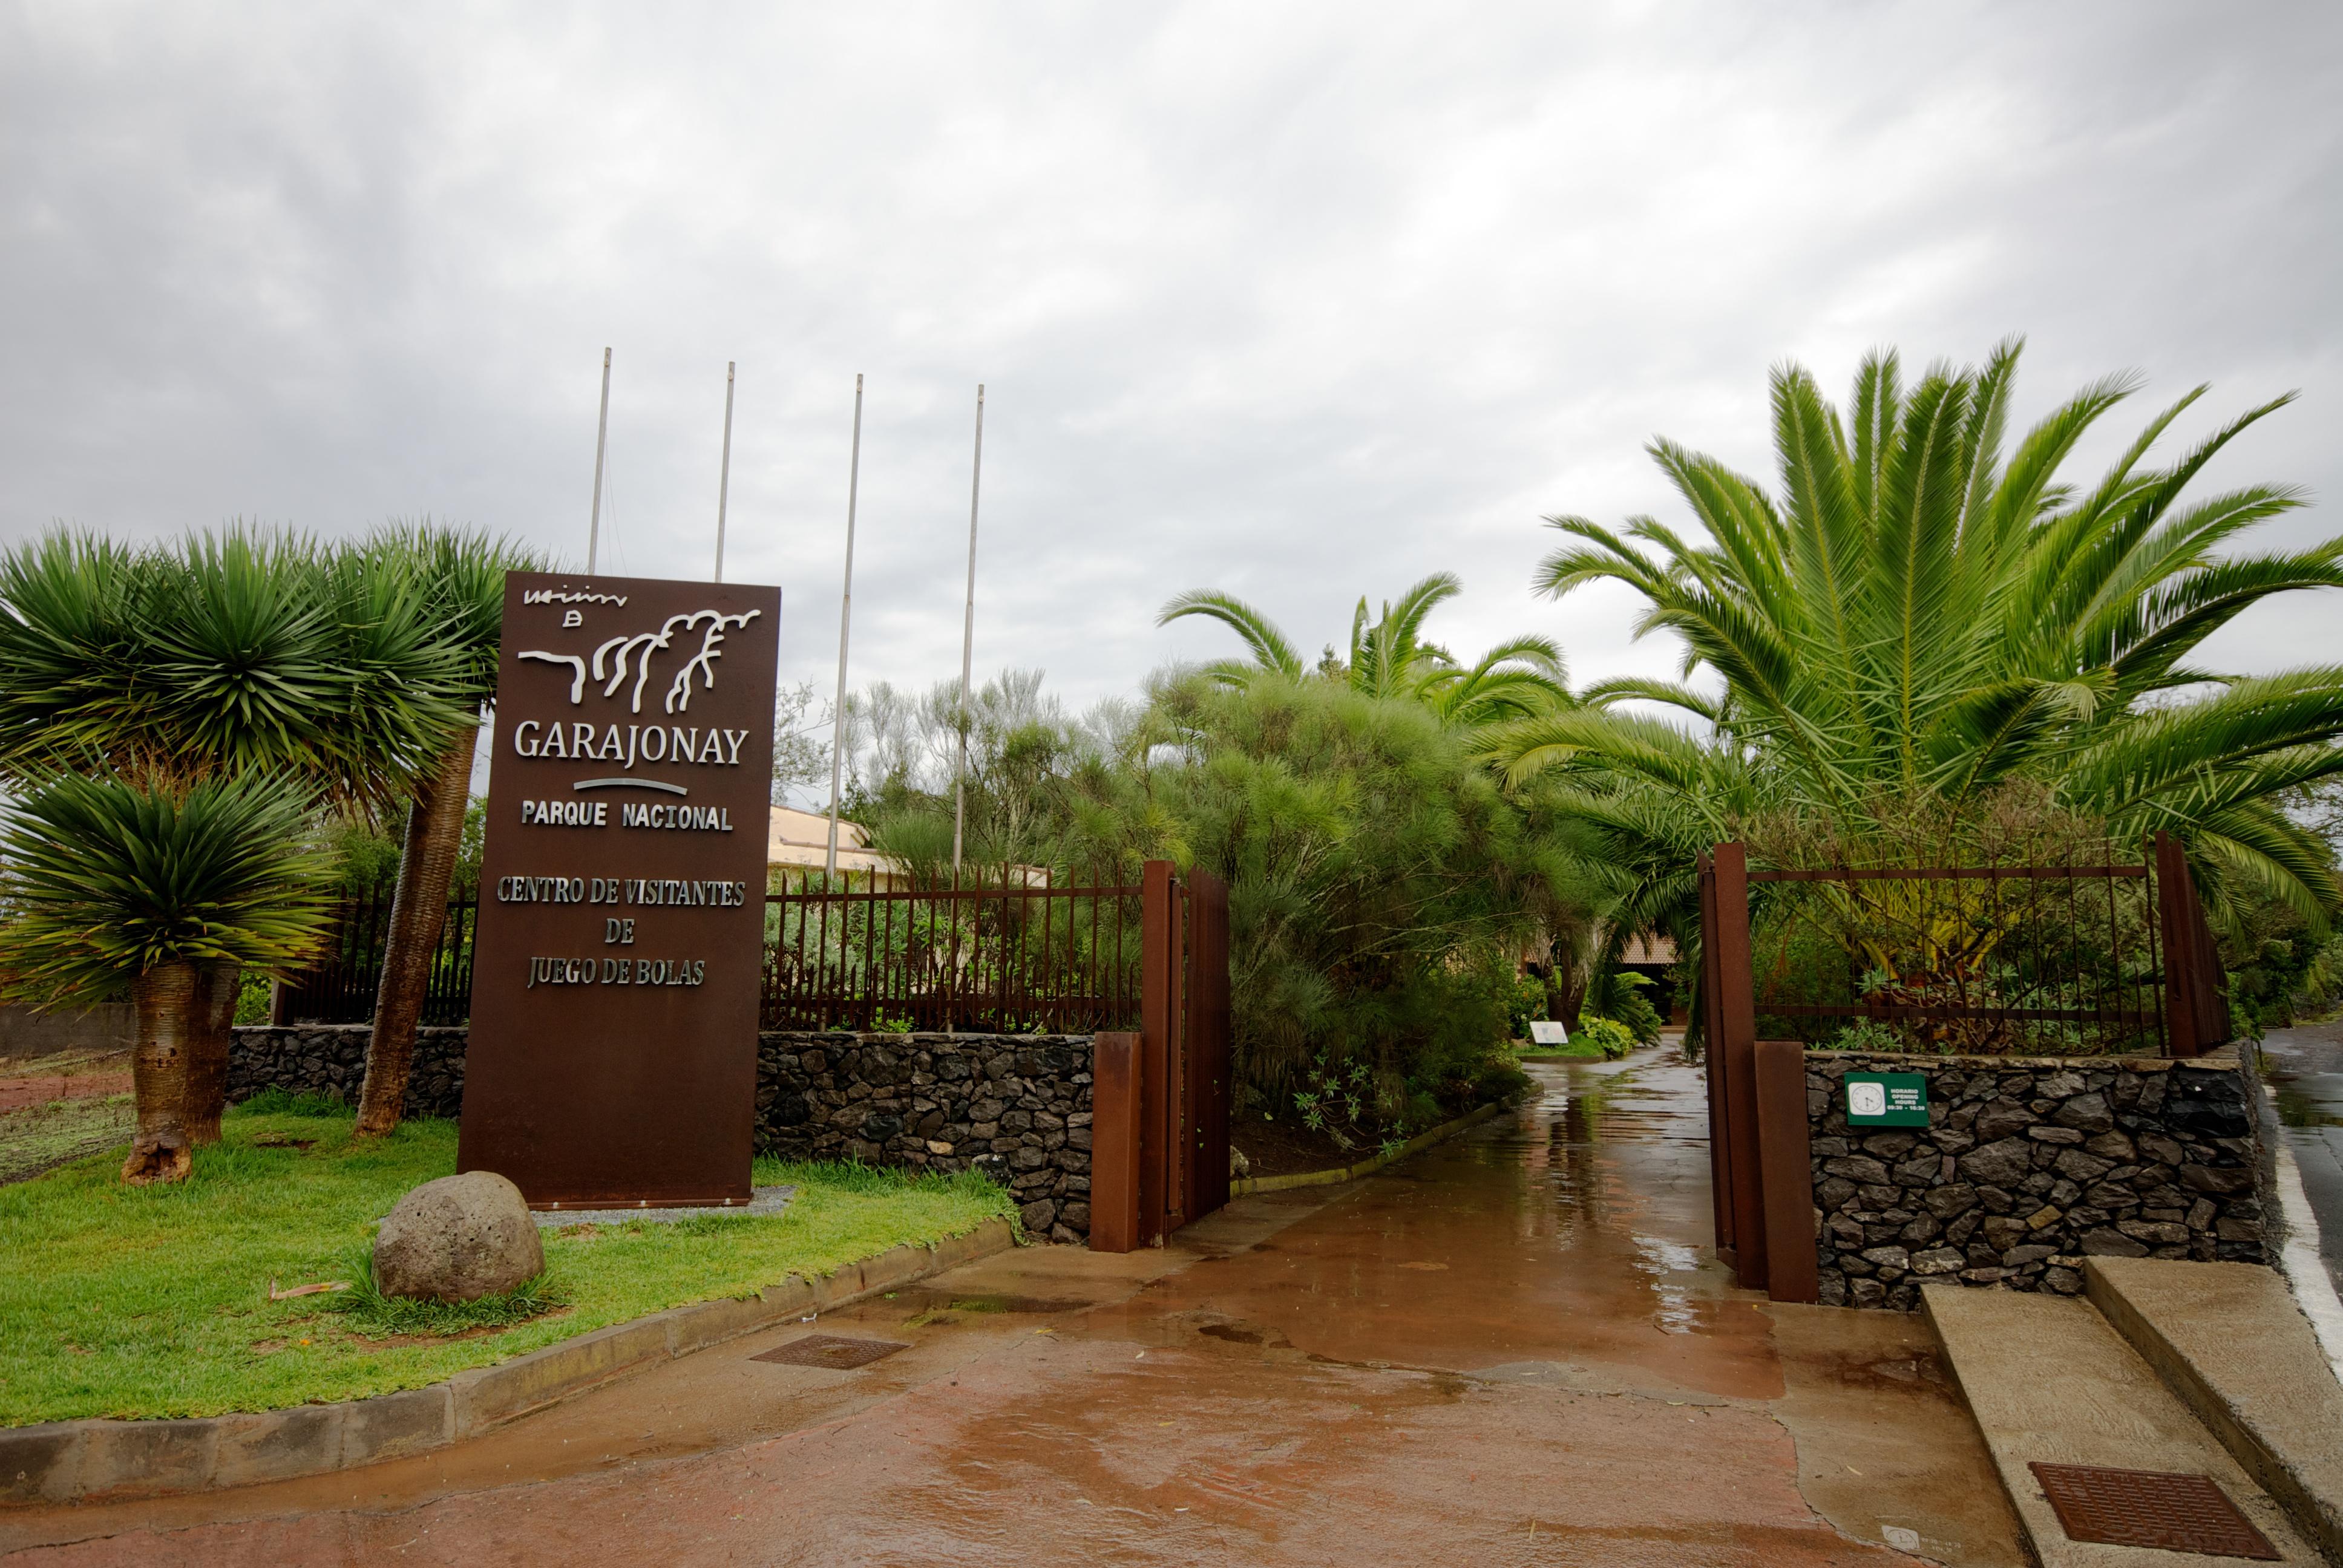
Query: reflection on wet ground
[2304, 1069]
[1569, 1232]
[1514, 1349]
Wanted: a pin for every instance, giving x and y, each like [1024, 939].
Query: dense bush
[1609, 1035]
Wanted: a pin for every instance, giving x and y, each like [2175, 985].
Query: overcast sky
[1298, 301]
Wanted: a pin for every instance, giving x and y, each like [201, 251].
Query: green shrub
[1526, 1004]
[1869, 1034]
[1501, 1080]
[1613, 1038]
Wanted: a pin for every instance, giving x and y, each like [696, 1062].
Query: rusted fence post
[1712, 1028]
[1159, 1016]
[1209, 1044]
[1115, 1142]
[2195, 1011]
[1736, 1047]
[1785, 1172]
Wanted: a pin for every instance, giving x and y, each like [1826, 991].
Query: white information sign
[1545, 1031]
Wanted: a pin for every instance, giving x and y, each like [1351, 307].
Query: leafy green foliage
[1526, 1004]
[101, 879]
[1388, 658]
[1381, 883]
[1928, 613]
[1870, 1034]
[1612, 1038]
[238, 653]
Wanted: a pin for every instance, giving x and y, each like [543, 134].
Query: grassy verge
[154, 1302]
[1574, 1052]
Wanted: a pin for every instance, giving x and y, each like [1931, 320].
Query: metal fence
[340, 987]
[2099, 956]
[1001, 949]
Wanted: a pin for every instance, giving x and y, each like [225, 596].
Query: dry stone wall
[2027, 1166]
[1015, 1106]
[330, 1059]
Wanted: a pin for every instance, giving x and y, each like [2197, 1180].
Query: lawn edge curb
[98, 1457]
[1244, 1186]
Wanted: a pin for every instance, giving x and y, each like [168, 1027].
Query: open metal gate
[1159, 1097]
[2158, 987]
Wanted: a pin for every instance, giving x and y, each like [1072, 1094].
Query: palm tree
[107, 885]
[462, 579]
[1388, 658]
[1925, 614]
[240, 653]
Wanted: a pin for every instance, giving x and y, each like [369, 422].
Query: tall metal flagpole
[601, 442]
[967, 639]
[724, 474]
[845, 620]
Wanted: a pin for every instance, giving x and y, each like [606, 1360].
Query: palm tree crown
[1926, 612]
[1388, 658]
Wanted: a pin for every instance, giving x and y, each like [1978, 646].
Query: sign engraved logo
[620, 652]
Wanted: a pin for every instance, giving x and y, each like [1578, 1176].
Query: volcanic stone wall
[330, 1059]
[2027, 1166]
[1016, 1106]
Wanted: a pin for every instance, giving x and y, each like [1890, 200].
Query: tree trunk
[1573, 993]
[164, 1000]
[217, 987]
[426, 861]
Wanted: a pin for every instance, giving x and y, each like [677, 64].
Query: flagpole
[845, 620]
[968, 637]
[601, 443]
[724, 474]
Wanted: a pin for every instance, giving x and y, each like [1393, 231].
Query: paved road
[2305, 1066]
[1507, 1351]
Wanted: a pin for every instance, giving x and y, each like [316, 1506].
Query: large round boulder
[456, 1240]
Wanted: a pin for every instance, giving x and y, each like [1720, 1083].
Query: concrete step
[2048, 1380]
[2228, 1339]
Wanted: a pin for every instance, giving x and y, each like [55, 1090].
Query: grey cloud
[1301, 302]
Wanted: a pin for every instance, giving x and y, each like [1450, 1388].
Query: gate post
[1785, 1171]
[2196, 1012]
[1712, 1029]
[1736, 1049]
[1160, 1017]
[1115, 1142]
[1208, 1047]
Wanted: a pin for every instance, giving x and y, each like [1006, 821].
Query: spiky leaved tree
[241, 652]
[1927, 614]
[1390, 658]
[461, 576]
[108, 885]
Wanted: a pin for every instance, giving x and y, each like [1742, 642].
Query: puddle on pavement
[932, 1308]
[2303, 1068]
[1570, 1232]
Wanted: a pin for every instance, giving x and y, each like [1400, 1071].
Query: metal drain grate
[835, 1352]
[2149, 1508]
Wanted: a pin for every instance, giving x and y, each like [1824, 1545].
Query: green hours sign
[1887, 1099]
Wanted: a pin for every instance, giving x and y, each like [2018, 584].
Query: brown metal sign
[613, 1051]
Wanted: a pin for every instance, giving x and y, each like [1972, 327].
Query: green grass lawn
[1574, 1052]
[150, 1301]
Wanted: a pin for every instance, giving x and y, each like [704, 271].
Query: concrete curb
[2230, 1341]
[1372, 1163]
[72, 1460]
